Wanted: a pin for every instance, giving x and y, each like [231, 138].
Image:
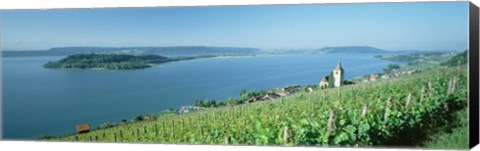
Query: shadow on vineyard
[433, 123]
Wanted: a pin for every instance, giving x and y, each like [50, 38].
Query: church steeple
[338, 75]
[339, 66]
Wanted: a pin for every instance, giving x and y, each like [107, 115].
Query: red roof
[83, 128]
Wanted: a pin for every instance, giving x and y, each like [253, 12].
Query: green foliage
[169, 111]
[419, 60]
[456, 138]
[244, 95]
[155, 115]
[198, 103]
[112, 61]
[462, 58]
[331, 80]
[348, 82]
[248, 95]
[206, 103]
[231, 101]
[123, 121]
[106, 125]
[138, 118]
[402, 58]
[390, 68]
[243, 91]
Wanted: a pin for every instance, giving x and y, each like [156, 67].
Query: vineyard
[385, 112]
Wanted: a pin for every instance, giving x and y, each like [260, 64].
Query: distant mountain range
[205, 50]
[425, 51]
[352, 49]
[332, 50]
[175, 50]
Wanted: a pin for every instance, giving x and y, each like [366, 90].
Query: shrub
[138, 118]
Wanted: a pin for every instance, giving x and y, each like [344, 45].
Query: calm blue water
[40, 101]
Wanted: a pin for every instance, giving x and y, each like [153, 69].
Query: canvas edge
[473, 58]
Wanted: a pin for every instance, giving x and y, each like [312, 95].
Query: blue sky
[391, 26]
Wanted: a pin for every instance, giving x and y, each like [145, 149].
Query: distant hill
[462, 57]
[352, 49]
[330, 50]
[424, 51]
[174, 50]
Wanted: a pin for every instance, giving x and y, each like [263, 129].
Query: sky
[390, 26]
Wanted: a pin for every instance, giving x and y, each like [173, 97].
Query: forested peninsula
[113, 61]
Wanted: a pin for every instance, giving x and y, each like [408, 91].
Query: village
[334, 80]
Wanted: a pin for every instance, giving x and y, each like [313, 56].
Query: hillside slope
[353, 50]
[397, 112]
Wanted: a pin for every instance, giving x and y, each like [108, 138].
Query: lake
[38, 101]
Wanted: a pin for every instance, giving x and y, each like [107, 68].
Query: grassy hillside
[455, 135]
[459, 58]
[399, 112]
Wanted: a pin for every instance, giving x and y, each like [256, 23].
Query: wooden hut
[373, 77]
[84, 128]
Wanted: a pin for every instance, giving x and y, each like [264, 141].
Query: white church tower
[338, 75]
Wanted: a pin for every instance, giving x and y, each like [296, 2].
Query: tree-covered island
[113, 61]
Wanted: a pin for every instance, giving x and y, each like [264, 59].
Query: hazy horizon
[272, 49]
[388, 26]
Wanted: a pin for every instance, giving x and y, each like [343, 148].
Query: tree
[220, 103]
[124, 121]
[231, 101]
[244, 96]
[198, 103]
[461, 57]
[331, 80]
[138, 118]
[243, 91]
[347, 82]
[213, 103]
[155, 115]
[106, 125]
[391, 67]
[206, 103]
[168, 112]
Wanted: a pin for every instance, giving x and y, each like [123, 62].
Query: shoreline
[230, 57]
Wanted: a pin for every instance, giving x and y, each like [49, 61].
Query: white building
[338, 75]
[324, 82]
